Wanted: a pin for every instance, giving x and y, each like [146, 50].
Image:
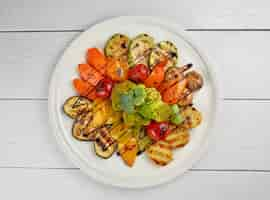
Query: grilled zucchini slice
[139, 49]
[162, 50]
[160, 153]
[75, 105]
[192, 117]
[178, 138]
[117, 47]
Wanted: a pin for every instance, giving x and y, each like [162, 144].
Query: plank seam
[192, 170]
[42, 31]
[227, 29]
[188, 29]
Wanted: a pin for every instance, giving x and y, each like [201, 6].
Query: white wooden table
[235, 35]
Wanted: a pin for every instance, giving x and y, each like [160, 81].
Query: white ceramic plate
[112, 171]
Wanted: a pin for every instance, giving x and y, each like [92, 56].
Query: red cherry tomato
[158, 130]
[138, 73]
[104, 88]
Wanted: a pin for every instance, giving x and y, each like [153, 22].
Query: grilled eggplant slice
[160, 153]
[104, 153]
[162, 50]
[117, 47]
[139, 49]
[104, 139]
[178, 138]
[104, 145]
[192, 117]
[75, 105]
[80, 129]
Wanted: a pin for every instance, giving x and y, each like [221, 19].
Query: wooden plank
[240, 140]
[55, 15]
[27, 60]
[28, 138]
[240, 60]
[71, 184]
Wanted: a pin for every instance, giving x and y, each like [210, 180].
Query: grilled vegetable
[186, 101]
[104, 139]
[192, 117]
[129, 152]
[139, 49]
[160, 153]
[104, 88]
[114, 119]
[117, 70]
[84, 89]
[178, 138]
[75, 105]
[102, 111]
[80, 128]
[118, 131]
[138, 73]
[89, 74]
[162, 50]
[104, 153]
[144, 143]
[176, 73]
[104, 145]
[123, 139]
[195, 81]
[173, 94]
[157, 75]
[117, 91]
[117, 47]
[158, 130]
[96, 59]
[177, 119]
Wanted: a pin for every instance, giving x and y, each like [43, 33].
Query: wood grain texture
[69, 15]
[27, 61]
[71, 184]
[240, 60]
[240, 141]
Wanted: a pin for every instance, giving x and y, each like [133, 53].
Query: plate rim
[95, 175]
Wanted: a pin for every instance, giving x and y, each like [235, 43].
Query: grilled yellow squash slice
[129, 151]
[192, 117]
[160, 153]
[178, 138]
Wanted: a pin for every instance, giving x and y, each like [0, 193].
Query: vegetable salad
[134, 98]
